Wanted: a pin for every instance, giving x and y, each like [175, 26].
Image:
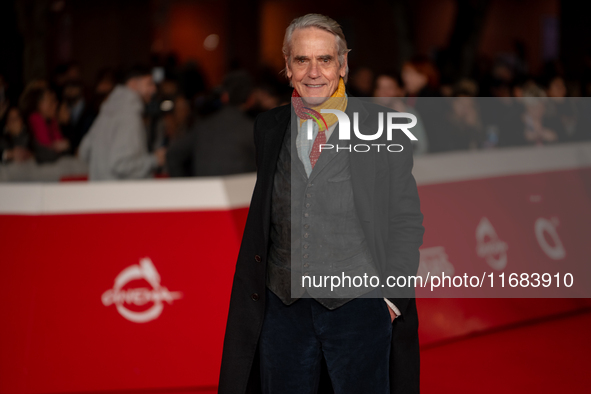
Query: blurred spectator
[268, 95]
[561, 112]
[503, 121]
[421, 82]
[269, 92]
[77, 116]
[105, 83]
[536, 130]
[15, 141]
[361, 82]
[39, 106]
[266, 98]
[222, 144]
[115, 146]
[160, 112]
[192, 80]
[466, 131]
[556, 87]
[520, 84]
[390, 93]
[65, 73]
[169, 88]
[500, 88]
[174, 122]
[420, 77]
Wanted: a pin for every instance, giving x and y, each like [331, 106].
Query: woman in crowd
[14, 142]
[40, 108]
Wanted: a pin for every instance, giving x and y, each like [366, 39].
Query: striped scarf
[338, 100]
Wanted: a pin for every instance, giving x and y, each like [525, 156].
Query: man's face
[314, 68]
[144, 85]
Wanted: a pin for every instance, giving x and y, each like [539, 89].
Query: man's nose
[313, 69]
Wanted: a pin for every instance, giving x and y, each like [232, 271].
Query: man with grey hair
[316, 210]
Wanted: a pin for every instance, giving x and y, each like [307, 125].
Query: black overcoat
[387, 203]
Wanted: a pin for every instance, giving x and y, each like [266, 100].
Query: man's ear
[287, 69]
[343, 70]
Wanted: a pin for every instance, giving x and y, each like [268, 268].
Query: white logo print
[434, 261]
[345, 125]
[493, 250]
[139, 296]
[544, 226]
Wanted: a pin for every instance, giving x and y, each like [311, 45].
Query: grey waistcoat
[315, 230]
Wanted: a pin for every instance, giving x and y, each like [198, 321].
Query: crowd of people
[139, 123]
[505, 108]
[163, 120]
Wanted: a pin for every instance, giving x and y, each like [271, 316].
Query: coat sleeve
[129, 157]
[405, 224]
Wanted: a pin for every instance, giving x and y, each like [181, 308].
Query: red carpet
[548, 356]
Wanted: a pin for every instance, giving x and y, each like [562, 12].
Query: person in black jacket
[313, 210]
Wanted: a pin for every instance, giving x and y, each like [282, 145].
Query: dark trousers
[354, 340]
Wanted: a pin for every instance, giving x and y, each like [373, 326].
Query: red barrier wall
[105, 298]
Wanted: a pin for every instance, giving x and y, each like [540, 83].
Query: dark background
[463, 37]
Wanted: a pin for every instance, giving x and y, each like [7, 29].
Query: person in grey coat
[115, 147]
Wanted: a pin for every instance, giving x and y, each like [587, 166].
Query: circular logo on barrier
[554, 249]
[489, 246]
[153, 298]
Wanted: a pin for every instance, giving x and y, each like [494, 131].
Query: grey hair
[321, 22]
